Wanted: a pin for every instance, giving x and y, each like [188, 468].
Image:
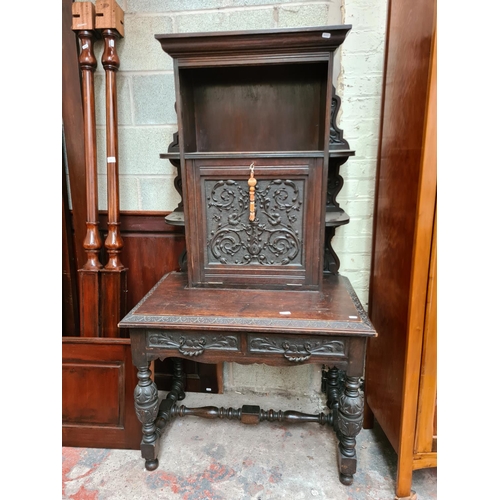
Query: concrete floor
[225, 460]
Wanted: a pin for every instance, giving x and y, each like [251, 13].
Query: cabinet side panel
[408, 52]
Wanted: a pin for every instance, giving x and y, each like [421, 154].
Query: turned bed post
[109, 22]
[83, 25]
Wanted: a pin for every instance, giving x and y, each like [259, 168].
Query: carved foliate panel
[297, 350]
[193, 344]
[275, 237]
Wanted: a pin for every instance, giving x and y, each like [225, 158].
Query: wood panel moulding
[97, 394]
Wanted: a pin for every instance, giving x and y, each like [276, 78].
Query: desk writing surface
[171, 305]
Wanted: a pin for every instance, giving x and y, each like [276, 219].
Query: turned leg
[350, 422]
[332, 380]
[333, 388]
[178, 380]
[146, 409]
[176, 394]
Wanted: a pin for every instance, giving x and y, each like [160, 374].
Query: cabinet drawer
[193, 344]
[298, 350]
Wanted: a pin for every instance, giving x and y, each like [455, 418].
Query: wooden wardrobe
[401, 365]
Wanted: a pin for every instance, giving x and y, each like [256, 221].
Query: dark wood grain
[260, 95]
[238, 110]
[399, 170]
[171, 302]
[278, 41]
[403, 220]
[303, 271]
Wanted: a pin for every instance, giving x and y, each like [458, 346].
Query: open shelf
[267, 108]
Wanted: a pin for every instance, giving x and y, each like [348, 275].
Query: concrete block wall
[147, 121]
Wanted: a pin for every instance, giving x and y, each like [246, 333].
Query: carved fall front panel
[275, 237]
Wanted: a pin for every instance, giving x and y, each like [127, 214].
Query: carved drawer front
[295, 349]
[193, 344]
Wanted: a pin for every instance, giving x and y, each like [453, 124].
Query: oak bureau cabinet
[258, 154]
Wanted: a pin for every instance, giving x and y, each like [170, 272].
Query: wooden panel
[83, 404]
[395, 217]
[403, 227]
[151, 248]
[98, 384]
[418, 301]
[279, 252]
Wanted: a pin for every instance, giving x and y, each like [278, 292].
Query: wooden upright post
[109, 21]
[83, 25]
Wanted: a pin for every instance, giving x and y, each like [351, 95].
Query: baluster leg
[176, 394]
[350, 422]
[178, 379]
[146, 409]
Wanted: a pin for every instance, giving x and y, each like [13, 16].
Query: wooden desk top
[171, 305]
